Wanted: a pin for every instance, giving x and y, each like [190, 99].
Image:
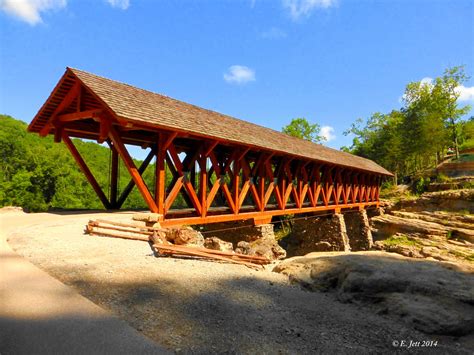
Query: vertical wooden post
[203, 184]
[114, 177]
[160, 174]
[261, 174]
[192, 174]
[236, 184]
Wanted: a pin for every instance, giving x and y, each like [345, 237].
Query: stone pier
[358, 230]
[246, 237]
[339, 232]
[326, 233]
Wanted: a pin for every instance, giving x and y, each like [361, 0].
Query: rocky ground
[436, 226]
[433, 297]
[205, 307]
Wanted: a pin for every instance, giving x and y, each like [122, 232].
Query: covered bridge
[225, 168]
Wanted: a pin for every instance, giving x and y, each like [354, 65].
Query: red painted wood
[160, 173]
[132, 169]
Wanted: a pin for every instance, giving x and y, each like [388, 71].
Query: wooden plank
[173, 193]
[160, 174]
[204, 254]
[184, 182]
[236, 186]
[104, 128]
[249, 174]
[85, 169]
[203, 184]
[115, 235]
[132, 169]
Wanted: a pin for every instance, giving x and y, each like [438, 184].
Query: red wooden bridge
[226, 169]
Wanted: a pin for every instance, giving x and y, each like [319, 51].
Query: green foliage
[417, 136]
[441, 178]
[466, 135]
[420, 185]
[301, 128]
[38, 174]
[400, 239]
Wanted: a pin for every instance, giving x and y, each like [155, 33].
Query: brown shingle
[134, 104]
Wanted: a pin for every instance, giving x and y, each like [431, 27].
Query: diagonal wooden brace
[132, 169]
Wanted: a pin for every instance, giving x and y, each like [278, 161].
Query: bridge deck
[225, 169]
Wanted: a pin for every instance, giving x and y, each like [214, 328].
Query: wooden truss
[219, 181]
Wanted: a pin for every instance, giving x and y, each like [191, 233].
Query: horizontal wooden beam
[75, 116]
[258, 215]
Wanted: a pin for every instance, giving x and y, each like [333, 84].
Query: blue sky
[263, 61]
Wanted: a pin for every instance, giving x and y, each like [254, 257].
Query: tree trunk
[455, 138]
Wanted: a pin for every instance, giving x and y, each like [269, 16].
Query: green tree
[417, 136]
[435, 104]
[301, 128]
[466, 135]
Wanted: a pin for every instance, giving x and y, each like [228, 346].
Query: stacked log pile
[176, 242]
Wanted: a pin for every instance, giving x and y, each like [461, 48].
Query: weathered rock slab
[436, 298]
[387, 225]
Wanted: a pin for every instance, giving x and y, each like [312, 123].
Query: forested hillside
[38, 174]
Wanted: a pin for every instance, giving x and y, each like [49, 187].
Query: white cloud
[30, 10]
[465, 93]
[328, 133]
[304, 8]
[426, 81]
[239, 74]
[274, 33]
[120, 4]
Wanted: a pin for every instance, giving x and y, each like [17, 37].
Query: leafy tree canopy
[301, 128]
[417, 136]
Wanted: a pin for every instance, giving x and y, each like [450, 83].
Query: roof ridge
[136, 104]
[215, 112]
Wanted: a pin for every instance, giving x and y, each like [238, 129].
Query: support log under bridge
[226, 169]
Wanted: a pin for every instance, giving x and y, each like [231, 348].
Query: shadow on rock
[433, 297]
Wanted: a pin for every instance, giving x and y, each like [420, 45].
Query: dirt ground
[195, 306]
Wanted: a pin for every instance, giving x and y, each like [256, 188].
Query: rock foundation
[327, 233]
[358, 230]
[245, 238]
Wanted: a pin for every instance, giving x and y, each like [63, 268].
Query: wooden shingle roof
[141, 106]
